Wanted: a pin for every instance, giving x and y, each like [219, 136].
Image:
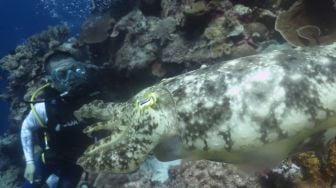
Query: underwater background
[138, 43]
[20, 19]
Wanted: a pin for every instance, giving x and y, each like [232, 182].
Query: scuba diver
[71, 84]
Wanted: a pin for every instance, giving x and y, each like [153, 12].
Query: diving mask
[69, 75]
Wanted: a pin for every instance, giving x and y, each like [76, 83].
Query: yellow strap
[32, 104]
[43, 158]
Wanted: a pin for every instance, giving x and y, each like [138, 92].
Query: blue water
[20, 19]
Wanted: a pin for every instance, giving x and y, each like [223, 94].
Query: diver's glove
[29, 172]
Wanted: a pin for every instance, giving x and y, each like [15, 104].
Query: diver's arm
[30, 125]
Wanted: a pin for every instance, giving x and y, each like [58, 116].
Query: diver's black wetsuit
[66, 141]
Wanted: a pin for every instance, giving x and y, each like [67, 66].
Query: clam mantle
[261, 107]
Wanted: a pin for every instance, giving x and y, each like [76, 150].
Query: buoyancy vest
[66, 139]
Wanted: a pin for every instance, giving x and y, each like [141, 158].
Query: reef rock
[140, 46]
[142, 38]
[257, 109]
[10, 161]
[208, 174]
[96, 29]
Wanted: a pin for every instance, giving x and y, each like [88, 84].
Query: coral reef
[10, 169]
[152, 173]
[307, 169]
[330, 166]
[136, 52]
[305, 25]
[10, 177]
[319, 170]
[96, 29]
[312, 167]
[144, 41]
[187, 33]
[188, 174]
[24, 66]
[210, 174]
[284, 175]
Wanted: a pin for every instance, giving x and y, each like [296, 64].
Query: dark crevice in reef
[284, 4]
[105, 51]
[150, 7]
[195, 25]
[323, 18]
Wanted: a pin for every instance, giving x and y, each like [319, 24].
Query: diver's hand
[29, 172]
